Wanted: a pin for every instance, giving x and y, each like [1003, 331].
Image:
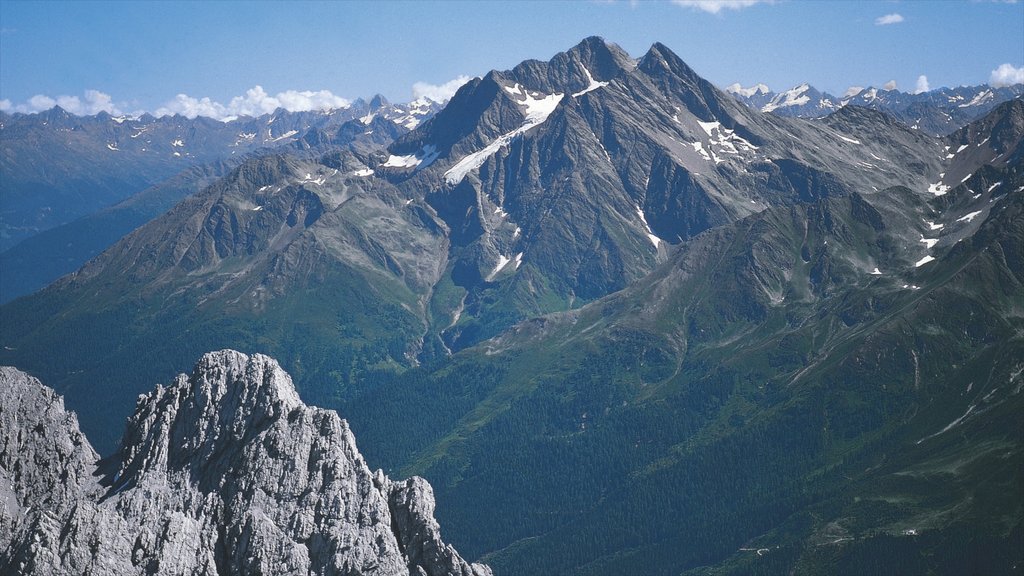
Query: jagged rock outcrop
[225, 471]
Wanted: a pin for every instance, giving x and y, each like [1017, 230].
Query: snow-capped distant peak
[796, 96]
[747, 92]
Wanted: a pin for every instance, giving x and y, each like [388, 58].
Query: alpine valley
[623, 321]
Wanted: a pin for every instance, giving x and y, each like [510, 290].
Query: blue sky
[139, 56]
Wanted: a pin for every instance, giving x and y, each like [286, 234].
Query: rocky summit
[225, 471]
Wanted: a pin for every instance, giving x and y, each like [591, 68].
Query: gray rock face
[223, 471]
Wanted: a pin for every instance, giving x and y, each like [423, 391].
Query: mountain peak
[603, 60]
[660, 59]
[224, 471]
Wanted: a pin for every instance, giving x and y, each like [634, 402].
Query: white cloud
[255, 102]
[890, 85]
[191, 107]
[1006, 75]
[439, 92]
[893, 18]
[716, 6]
[922, 84]
[852, 91]
[91, 102]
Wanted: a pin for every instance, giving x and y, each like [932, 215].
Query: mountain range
[623, 322]
[57, 218]
[937, 112]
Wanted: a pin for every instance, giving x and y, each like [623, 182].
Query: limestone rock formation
[223, 471]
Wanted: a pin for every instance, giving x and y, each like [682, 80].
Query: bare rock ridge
[225, 471]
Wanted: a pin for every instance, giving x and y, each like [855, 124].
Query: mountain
[223, 471]
[623, 322]
[938, 112]
[666, 156]
[827, 387]
[56, 167]
[357, 264]
[36, 261]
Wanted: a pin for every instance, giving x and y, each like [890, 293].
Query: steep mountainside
[535, 190]
[937, 112]
[830, 387]
[564, 181]
[225, 471]
[56, 167]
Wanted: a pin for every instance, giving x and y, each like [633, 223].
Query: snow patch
[938, 188]
[923, 261]
[650, 233]
[113, 147]
[968, 217]
[502, 262]
[709, 127]
[538, 108]
[929, 242]
[850, 140]
[425, 157]
[876, 272]
[933, 225]
[592, 84]
[981, 98]
[287, 134]
[363, 173]
[994, 186]
[178, 144]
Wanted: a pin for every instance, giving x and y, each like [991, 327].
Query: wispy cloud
[922, 85]
[1006, 75]
[890, 85]
[716, 6]
[893, 18]
[439, 92]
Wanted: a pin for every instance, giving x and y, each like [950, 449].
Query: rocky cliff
[223, 471]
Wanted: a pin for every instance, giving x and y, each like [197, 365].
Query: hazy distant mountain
[937, 112]
[56, 167]
[40, 259]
